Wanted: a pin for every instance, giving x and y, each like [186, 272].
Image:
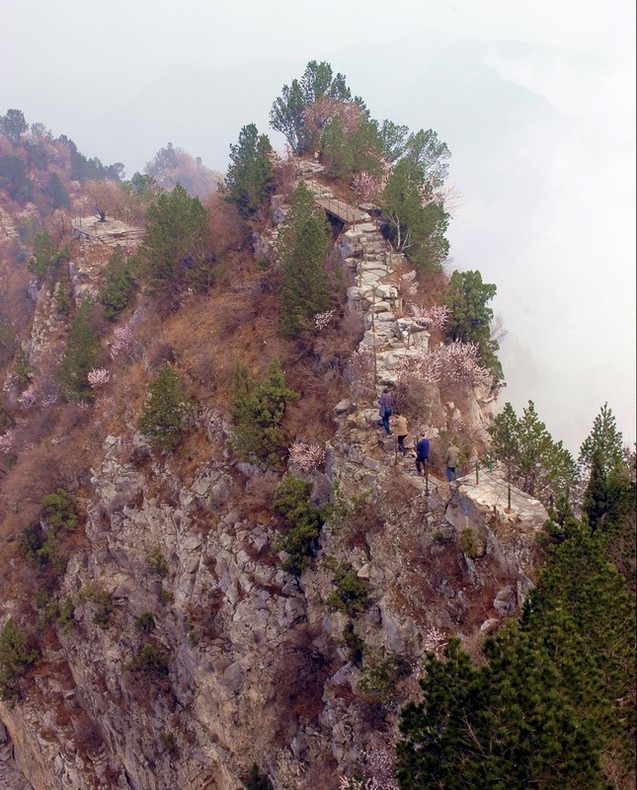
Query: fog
[536, 102]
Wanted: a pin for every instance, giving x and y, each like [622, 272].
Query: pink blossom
[123, 341]
[98, 377]
[322, 320]
[366, 186]
[307, 456]
[434, 641]
[8, 442]
[380, 767]
[29, 396]
[434, 316]
[455, 363]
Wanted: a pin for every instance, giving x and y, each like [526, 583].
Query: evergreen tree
[167, 405]
[249, 182]
[416, 229]
[427, 156]
[286, 115]
[119, 284]
[56, 192]
[175, 247]
[13, 126]
[258, 408]
[394, 140]
[303, 246]
[81, 356]
[47, 256]
[15, 659]
[533, 460]
[550, 699]
[605, 440]
[470, 316]
[301, 523]
[14, 179]
[597, 495]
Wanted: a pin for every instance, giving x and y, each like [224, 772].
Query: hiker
[386, 409]
[400, 426]
[422, 454]
[453, 462]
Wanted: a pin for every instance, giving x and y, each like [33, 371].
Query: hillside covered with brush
[219, 569]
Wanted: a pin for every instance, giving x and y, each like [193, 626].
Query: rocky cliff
[192, 653]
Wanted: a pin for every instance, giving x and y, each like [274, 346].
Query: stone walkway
[389, 336]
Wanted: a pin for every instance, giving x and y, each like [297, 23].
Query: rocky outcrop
[244, 662]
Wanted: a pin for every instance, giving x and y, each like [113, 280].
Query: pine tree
[605, 440]
[286, 115]
[597, 497]
[303, 245]
[15, 658]
[119, 285]
[417, 230]
[81, 356]
[249, 182]
[470, 316]
[533, 460]
[548, 701]
[167, 405]
[47, 256]
[175, 247]
[258, 408]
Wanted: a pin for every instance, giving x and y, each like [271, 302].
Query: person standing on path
[400, 426]
[386, 409]
[422, 454]
[453, 462]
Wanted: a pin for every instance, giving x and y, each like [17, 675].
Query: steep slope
[190, 653]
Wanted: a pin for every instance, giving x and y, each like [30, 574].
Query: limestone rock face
[252, 663]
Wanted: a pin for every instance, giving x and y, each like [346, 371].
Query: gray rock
[506, 601]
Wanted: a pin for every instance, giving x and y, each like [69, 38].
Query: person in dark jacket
[422, 454]
[386, 409]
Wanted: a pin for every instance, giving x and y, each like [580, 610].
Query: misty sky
[535, 100]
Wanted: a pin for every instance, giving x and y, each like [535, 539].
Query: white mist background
[535, 100]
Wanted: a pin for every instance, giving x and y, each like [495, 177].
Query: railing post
[477, 477]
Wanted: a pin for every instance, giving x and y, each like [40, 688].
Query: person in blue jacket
[422, 454]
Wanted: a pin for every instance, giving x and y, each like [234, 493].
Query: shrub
[59, 511]
[98, 377]
[307, 456]
[469, 543]
[382, 674]
[15, 659]
[258, 408]
[354, 644]
[102, 603]
[58, 515]
[257, 780]
[47, 256]
[350, 595]
[81, 356]
[301, 522]
[169, 744]
[150, 660]
[156, 562]
[51, 612]
[22, 369]
[145, 622]
[162, 419]
[119, 285]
